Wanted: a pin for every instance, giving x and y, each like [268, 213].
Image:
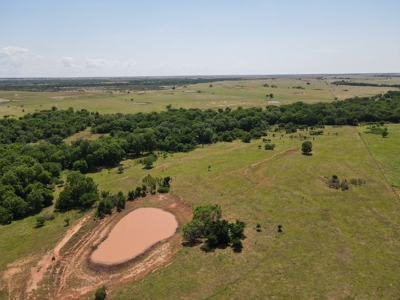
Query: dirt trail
[387, 182]
[246, 169]
[37, 272]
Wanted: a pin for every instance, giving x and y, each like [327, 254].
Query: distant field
[245, 93]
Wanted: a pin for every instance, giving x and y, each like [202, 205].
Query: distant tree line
[55, 85]
[365, 84]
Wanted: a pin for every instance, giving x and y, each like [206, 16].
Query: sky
[90, 38]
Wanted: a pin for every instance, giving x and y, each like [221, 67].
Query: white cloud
[105, 63]
[101, 63]
[67, 62]
[129, 63]
[38, 57]
[13, 56]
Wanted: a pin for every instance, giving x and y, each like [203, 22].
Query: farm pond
[134, 234]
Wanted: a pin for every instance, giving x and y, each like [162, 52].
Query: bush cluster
[207, 223]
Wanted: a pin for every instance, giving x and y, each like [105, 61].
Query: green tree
[79, 192]
[40, 221]
[192, 230]
[246, 137]
[66, 220]
[80, 165]
[306, 147]
[206, 214]
[269, 146]
[101, 293]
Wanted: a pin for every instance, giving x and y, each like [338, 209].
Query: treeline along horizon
[58, 84]
[33, 151]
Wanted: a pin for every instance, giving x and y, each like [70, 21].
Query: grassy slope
[335, 244]
[386, 152]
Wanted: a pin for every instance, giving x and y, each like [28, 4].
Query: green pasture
[335, 244]
[386, 151]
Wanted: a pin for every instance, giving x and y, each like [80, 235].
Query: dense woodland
[33, 153]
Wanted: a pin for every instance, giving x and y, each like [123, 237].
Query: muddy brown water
[135, 233]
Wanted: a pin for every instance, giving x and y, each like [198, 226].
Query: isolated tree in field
[40, 221]
[385, 132]
[306, 147]
[120, 169]
[271, 96]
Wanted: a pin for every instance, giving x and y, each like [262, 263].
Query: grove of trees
[207, 224]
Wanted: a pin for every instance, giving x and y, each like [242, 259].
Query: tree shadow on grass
[307, 154]
[193, 244]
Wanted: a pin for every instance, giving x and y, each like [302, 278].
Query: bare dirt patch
[142, 103]
[4, 100]
[38, 271]
[63, 97]
[273, 101]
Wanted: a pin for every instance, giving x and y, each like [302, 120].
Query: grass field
[385, 151]
[245, 93]
[334, 245]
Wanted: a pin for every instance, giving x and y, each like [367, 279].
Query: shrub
[101, 293]
[269, 146]
[40, 221]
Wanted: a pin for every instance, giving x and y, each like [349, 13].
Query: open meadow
[249, 92]
[335, 244]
